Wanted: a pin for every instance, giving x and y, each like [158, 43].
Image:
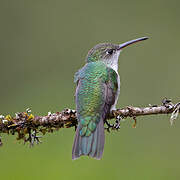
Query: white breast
[113, 63]
[113, 107]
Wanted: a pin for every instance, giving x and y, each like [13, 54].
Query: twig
[27, 126]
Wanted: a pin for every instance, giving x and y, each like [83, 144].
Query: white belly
[113, 107]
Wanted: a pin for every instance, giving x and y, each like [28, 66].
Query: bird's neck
[113, 66]
[113, 62]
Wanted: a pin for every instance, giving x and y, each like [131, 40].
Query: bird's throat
[113, 62]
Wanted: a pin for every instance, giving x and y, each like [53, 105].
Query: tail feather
[92, 145]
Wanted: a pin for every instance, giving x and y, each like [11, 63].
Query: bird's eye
[110, 51]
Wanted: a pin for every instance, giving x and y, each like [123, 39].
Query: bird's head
[109, 53]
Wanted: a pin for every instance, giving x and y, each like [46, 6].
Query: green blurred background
[44, 42]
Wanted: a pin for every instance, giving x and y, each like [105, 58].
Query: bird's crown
[101, 51]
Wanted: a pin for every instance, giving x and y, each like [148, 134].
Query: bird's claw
[108, 126]
[114, 126]
[117, 123]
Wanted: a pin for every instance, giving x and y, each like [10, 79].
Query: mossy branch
[27, 126]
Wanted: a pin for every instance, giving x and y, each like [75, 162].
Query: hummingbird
[97, 91]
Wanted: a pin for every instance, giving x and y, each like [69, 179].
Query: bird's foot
[114, 126]
[108, 126]
[117, 123]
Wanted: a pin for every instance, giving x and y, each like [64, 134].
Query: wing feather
[95, 94]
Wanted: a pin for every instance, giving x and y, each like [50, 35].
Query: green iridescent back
[90, 94]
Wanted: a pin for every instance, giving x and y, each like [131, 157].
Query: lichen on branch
[27, 126]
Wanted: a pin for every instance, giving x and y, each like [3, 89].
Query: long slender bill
[121, 46]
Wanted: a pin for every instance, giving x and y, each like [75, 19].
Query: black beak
[121, 46]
